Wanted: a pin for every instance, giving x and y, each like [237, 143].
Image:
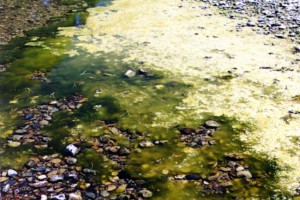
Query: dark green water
[139, 105]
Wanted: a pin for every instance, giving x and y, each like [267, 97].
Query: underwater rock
[6, 188]
[146, 193]
[72, 149]
[193, 177]
[75, 196]
[12, 173]
[246, 174]
[212, 124]
[129, 73]
[104, 193]
[39, 184]
[13, 144]
[146, 144]
[58, 197]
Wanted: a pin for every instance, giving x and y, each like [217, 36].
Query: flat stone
[17, 137]
[146, 144]
[212, 124]
[104, 193]
[227, 184]
[121, 188]
[90, 195]
[42, 177]
[146, 193]
[39, 184]
[192, 177]
[75, 196]
[12, 173]
[225, 169]
[58, 197]
[111, 187]
[56, 161]
[3, 179]
[56, 178]
[13, 144]
[245, 174]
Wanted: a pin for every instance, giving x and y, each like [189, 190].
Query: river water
[190, 67]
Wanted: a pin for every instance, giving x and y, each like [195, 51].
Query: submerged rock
[72, 149]
[212, 124]
[130, 73]
[12, 173]
[146, 193]
[246, 174]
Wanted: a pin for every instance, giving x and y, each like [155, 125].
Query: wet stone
[246, 174]
[3, 179]
[104, 193]
[72, 149]
[58, 197]
[39, 184]
[12, 173]
[146, 144]
[21, 131]
[146, 193]
[75, 196]
[129, 73]
[6, 188]
[56, 178]
[71, 160]
[212, 124]
[193, 177]
[13, 144]
[90, 195]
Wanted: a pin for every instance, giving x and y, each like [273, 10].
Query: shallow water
[141, 104]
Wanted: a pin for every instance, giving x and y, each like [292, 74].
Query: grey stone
[146, 144]
[104, 193]
[212, 124]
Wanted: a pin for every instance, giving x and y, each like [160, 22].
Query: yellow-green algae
[162, 34]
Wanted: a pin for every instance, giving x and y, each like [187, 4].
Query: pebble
[3, 179]
[39, 184]
[192, 177]
[121, 188]
[72, 149]
[212, 124]
[43, 197]
[6, 188]
[111, 187]
[297, 49]
[42, 177]
[12, 173]
[239, 168]
[90, 195]
[104, 193]
[71, 160]
[129, 73]
[75, 196]
[13, 144]
[58, 197]
[245, 174]
[56, 178]
[146, 193]
[146, 144]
